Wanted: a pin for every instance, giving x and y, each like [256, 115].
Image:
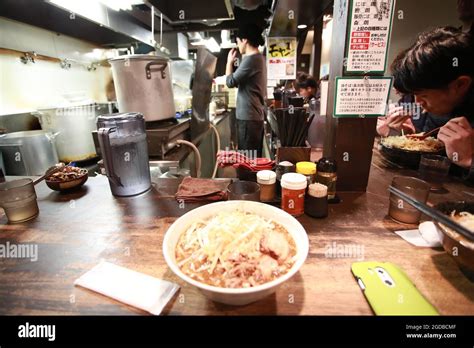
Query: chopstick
[425, 135]
[433, 213]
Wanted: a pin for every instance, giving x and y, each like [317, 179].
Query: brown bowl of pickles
[68, 178]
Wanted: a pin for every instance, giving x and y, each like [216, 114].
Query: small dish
[68, 184]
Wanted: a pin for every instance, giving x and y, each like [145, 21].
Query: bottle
[293, 187]
[316, 201]
[282, 168]
[327, 175]
[267, 181]
[308, 169]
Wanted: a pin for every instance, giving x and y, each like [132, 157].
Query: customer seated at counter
[438, 69]
[306, 86]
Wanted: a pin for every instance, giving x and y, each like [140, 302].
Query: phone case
[389, 290]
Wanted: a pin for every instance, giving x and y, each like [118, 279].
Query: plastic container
[316, 201]
[293, 187]
[267, 181]
[18, 199]
[308, 169]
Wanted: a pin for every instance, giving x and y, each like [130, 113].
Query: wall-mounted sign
[361, 96]
[370, 23]
[281, 58]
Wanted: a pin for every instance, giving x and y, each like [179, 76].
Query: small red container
[293, 187]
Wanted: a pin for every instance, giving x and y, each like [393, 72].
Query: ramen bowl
[459, 247]
[236, 296]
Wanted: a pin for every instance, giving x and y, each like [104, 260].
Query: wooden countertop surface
[75, 231]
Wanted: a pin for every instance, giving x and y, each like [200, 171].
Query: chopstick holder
[133, 288]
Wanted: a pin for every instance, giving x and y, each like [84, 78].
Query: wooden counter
[75, 231]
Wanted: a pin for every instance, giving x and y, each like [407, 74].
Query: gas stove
[162, 135]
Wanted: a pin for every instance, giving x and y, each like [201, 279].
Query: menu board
[370, 24]
[281, 58]
[361, 96]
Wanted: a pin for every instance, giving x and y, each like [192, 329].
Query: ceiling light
[90, 8]
[118, 5]
[302, 26]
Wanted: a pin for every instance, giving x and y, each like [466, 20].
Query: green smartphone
[389, 290]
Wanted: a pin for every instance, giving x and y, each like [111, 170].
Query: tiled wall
[25, 87]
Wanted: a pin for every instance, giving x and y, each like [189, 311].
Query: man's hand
[230, 61]
[397, 118]
[457, 136]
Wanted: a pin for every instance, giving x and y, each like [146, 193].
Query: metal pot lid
[120, 117]
[139, 57]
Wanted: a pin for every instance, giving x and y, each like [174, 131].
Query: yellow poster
[281, 58]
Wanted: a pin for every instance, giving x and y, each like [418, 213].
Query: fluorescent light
[118, 5]
[302, 26]
[90, 8]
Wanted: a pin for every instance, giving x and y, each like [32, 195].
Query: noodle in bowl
[459, 247]
[235, 295]
[429, 145]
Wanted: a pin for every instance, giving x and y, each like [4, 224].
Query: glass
[18, 199]
[244, 190]
[402, 211]
[434, 169]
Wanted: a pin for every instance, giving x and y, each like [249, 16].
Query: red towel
[202, 190]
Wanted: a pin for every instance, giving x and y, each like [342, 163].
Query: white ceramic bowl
[239, 296]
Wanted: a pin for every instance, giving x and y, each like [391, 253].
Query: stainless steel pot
[74, 126]
[143, 84]
[19, 122]
[28, 153]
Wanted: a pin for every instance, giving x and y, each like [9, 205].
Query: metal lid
[327, 165]
[138, 57]
[120, 117]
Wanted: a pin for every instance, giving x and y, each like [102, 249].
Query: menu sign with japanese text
[369, 35]
[281, 58]
[361, 96]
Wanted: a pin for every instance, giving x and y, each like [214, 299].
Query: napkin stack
[130, 287]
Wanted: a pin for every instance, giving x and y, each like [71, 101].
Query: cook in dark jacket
[251, 79]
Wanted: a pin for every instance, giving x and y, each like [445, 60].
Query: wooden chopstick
[425, 135]
[433, 213]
